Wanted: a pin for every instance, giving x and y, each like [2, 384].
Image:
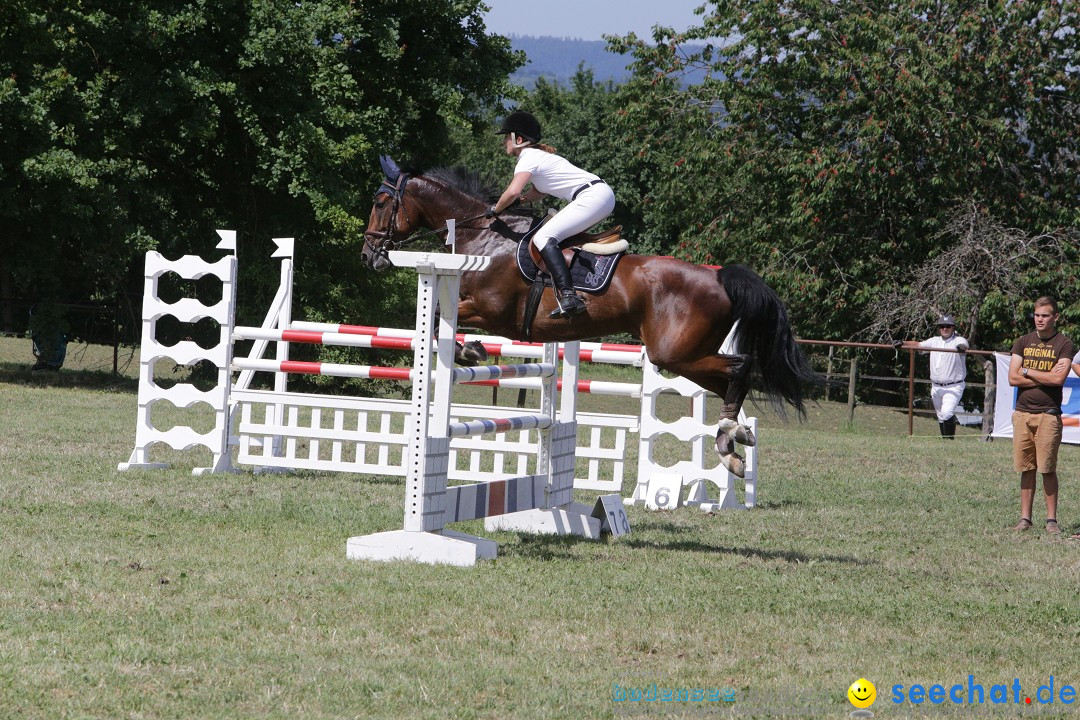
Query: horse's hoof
[738, 432]
[472, 352]
[744, 436]
[735, 464]
[725, 444]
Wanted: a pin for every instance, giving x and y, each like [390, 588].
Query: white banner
[1005, 401]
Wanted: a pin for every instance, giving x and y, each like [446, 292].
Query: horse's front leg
[470, 353]
[467, 354]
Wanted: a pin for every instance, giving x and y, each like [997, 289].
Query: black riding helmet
[522, 124]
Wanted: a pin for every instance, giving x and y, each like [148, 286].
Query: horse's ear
[389, 167]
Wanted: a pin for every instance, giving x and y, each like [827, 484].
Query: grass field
[162, 595]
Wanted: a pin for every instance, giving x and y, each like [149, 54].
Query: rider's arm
[510, 194]
[531, 194]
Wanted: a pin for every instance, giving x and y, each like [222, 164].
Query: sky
[588, 19]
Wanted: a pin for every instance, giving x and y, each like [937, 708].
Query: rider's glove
[490, 212]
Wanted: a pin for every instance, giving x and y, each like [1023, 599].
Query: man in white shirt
[948, 371]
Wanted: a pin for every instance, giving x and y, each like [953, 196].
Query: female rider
[590, 200]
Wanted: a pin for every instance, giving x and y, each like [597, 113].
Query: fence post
[828, 372]
[853, 373]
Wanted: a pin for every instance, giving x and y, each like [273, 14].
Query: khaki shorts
[1036, 438]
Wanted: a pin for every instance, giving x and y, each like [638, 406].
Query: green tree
[131, 125]
[831, 141]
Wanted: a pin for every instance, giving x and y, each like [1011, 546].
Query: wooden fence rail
[852, 375]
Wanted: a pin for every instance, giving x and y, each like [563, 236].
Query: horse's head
[389, 223]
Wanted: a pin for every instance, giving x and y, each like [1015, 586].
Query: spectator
[948, 371]
[1037, 369]
[1076, 369]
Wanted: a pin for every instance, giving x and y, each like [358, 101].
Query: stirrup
[570, 304]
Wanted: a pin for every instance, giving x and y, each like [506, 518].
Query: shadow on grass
[556, 547]
[543, 547]
[748, 552]
[21, 374]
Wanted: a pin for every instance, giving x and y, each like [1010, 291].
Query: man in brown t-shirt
[1037, 369]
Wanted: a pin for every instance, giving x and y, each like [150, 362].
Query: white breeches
[946, 399]
[592, 205]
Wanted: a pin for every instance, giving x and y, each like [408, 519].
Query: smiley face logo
[862, 693]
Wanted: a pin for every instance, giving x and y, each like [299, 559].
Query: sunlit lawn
[161, 595]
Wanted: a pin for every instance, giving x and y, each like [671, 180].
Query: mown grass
[162, 595]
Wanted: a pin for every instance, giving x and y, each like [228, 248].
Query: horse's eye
[380, 204]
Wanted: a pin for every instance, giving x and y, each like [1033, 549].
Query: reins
[425, 232]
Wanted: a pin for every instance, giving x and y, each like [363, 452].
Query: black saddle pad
[591, 273]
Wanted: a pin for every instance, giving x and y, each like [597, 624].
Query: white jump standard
[541, 502]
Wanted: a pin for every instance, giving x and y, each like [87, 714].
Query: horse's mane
[468, 182]
[464, 180]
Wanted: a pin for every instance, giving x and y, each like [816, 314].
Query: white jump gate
[279, 429]
[540, 502]
[185, 352]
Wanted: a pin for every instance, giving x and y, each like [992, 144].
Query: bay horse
[681, 312]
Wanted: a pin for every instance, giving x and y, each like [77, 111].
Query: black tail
[765, 333]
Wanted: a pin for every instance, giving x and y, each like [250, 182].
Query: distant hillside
[557, 59]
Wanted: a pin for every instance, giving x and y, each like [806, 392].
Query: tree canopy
[137, 124]
[830, 144]
[832, 140]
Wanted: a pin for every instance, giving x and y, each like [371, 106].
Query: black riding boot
[569, 302]
[948, 428]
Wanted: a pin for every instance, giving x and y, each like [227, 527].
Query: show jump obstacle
[541, 502]
[185, 395]
[278, 429]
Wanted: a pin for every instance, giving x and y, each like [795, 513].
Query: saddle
[592, 260]
[593, 257]
[589, 272]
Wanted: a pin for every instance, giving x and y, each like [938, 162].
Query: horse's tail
[765, 333]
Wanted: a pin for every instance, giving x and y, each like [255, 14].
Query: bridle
[381, 242]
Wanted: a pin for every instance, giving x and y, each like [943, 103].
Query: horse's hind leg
[737, 388]
[730, 430]
[728, 377]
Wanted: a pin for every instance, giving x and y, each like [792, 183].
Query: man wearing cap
[948, 372]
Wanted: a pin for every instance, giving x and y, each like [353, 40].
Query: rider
[590, 200]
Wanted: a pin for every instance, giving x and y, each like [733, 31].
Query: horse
[681, 312]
